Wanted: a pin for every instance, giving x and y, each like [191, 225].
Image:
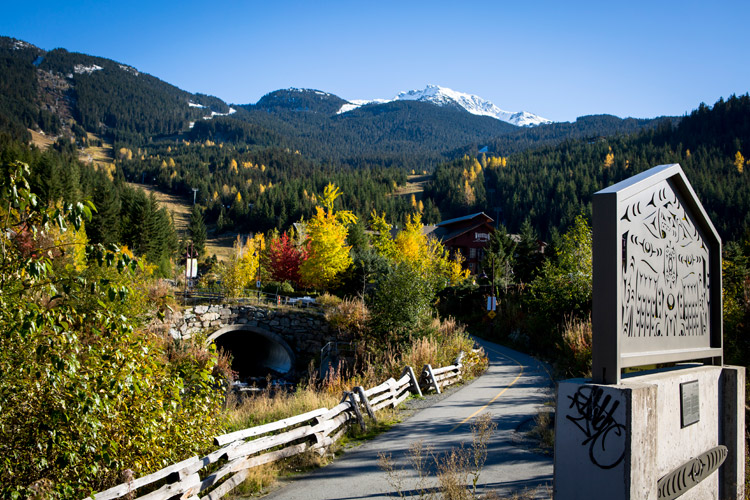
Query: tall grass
[576, 345]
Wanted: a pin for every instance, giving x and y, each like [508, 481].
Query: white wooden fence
[216, 474]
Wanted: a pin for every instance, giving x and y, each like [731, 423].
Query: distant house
[468, 235]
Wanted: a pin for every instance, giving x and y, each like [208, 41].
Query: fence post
[459, 365]
[432, 381]
[355, 407]
[363, 398]
[459, 358]
[414, 381]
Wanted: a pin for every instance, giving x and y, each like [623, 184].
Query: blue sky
[557, 59]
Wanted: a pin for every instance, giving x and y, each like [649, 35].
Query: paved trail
[512, 389]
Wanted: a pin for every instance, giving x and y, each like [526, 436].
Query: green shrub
[86, 390]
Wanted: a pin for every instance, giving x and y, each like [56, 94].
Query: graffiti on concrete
[594, 414]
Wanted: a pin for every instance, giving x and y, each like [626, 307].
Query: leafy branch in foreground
[86, 391]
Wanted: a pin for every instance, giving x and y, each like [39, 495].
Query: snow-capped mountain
[443, 96]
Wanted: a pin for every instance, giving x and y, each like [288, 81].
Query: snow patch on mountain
[356, 103]
[81, 69]
[20, 44]
[305, 91]
[443, 96]
[213, 113]
[129, 69]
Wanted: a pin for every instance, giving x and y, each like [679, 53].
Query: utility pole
[195, 190]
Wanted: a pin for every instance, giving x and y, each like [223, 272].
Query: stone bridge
[260, 339]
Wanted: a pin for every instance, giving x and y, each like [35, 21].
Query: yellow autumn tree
[328, 253]
[124, 154]
[427, 255]
[739, 162]
[381, 240]
[241, 271]
[609, 160]
[468, 192]
[411, 246]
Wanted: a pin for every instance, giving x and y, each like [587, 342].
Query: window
[481, 237]
[472, 253]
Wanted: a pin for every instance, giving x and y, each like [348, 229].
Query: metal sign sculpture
[657, 275]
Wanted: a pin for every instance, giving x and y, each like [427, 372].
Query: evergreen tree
[197, 230]
[105, 224]
[528, 258]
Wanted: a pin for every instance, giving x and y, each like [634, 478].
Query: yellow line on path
[498, 394]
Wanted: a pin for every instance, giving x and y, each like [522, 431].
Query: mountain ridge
[69, 94]
[443, 96]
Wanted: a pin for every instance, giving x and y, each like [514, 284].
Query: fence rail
[248, 296]
[213, 476]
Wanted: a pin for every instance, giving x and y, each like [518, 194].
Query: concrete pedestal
[618, 441]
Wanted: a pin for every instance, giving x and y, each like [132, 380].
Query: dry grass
[222, 246]
[458, 470]
[415, 185]
[178, 207]
[104, 153]
[264, 406]
[259, 478]
[41, 141]
[576, 337]
[441, 348]
[543, 432]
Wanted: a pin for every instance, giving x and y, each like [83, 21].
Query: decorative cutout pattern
[665, 276]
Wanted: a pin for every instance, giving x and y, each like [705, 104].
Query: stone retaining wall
[305, 332]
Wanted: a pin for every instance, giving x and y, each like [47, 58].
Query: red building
[468, 235]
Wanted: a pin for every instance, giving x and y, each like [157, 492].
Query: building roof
[449, 222]
[452, 228]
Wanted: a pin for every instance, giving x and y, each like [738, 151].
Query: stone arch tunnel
[255, 351]
[261, 339]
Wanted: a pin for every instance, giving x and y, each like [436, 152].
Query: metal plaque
[657, 275]
[690, 403]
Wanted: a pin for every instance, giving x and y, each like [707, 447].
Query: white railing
[216, 474]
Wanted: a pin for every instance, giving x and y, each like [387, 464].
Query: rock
[210, 316]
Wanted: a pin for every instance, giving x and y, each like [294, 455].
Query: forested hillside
[551, 185]
[63, 92]
[123, 215]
